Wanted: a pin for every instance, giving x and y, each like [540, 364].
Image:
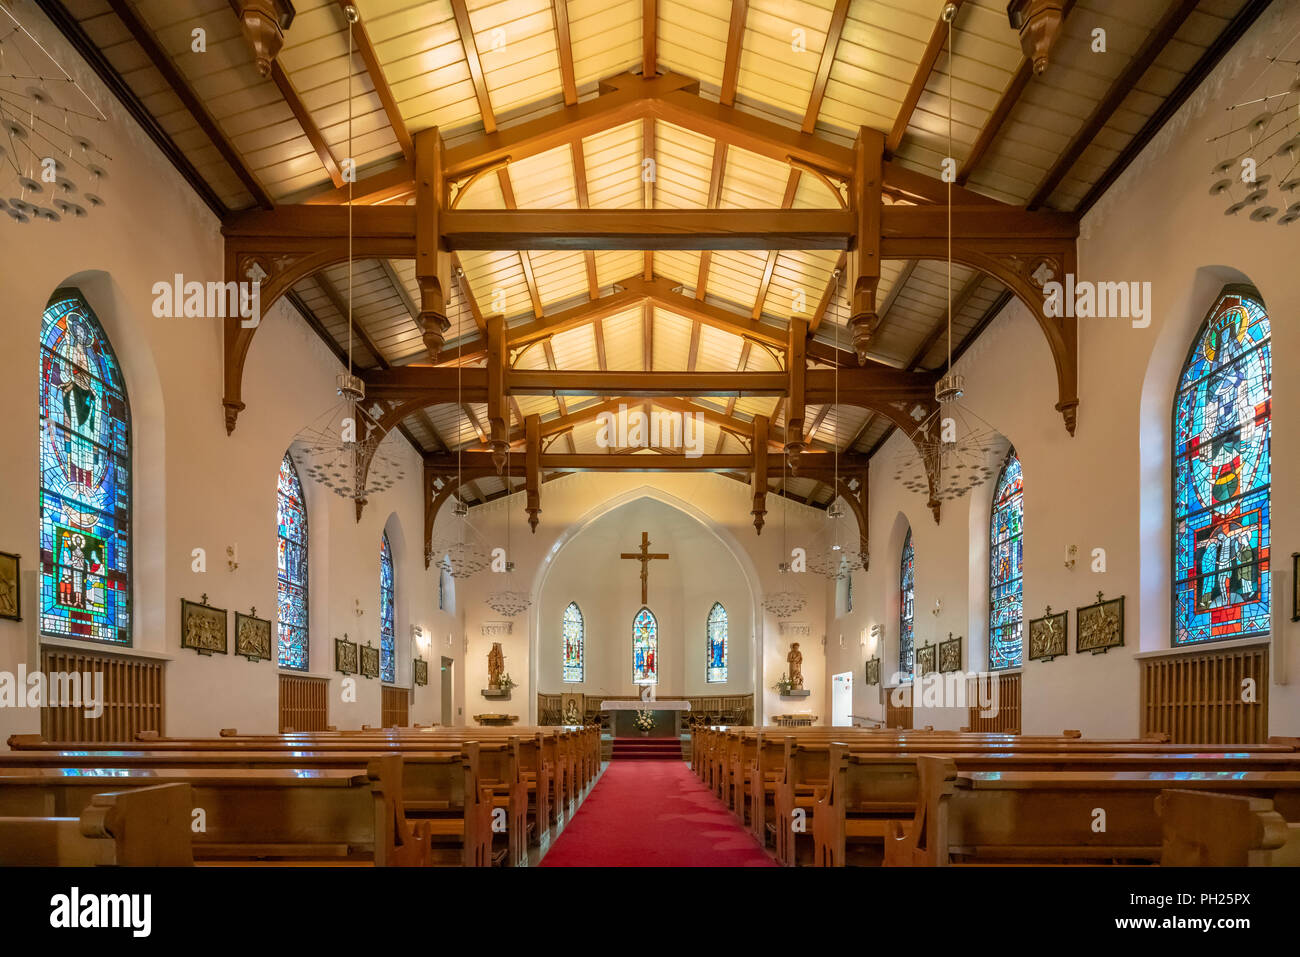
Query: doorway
[446, 692]
[842, 700]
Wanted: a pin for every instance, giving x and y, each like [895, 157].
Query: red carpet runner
[662, 748]
[653, 813]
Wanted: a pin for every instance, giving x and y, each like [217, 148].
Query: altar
[667, 714]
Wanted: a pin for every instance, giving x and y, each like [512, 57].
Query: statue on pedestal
[795, 660]
[496, 666]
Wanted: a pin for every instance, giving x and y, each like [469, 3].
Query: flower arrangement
[784, 685]
[645, 721]
[507, 683]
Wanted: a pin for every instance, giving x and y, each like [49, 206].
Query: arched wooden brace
[859, 504]
[433, 503]
[1023, 266]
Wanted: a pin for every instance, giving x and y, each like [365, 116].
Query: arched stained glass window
[387, 637]
[907, 600]
[574, 651]
[85, 456]
[1222, 472]
[645, 648]
[717, 644]
[291, 568]
[1006, 567]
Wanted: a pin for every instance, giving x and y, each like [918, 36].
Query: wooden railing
[721, 709]
[1207, 696]
[395, 709]
[304, 703]
[132, 695]
[1007, 718]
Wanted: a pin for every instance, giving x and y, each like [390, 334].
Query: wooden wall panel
[133, 697]
[1007, 720]
[395, 708]
[304, 703]
[1196, 697]
[897, 716]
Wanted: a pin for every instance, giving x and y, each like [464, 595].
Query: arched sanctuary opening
[704, 568]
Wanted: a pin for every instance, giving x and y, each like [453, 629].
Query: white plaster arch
[723, 535]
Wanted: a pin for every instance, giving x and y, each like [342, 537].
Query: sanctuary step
[662, 748]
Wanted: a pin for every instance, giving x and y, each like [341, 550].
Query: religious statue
[496, 666]
[795, 659]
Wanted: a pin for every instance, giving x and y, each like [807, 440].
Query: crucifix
[644, 556]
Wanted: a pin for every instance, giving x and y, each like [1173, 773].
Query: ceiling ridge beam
[921, 78]
[171, 73]
[1157, 39]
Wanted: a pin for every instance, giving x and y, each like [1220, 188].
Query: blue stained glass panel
[387, 638]
[716, 645]
[1006, 567]
[1222, 438]
[645, 648]
[85, 461]
[906, 608]
[574, 651]
[291, 567]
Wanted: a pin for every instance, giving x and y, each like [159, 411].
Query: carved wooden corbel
[263, 23]
[1039, 23]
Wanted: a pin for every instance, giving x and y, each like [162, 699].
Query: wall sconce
[358, 610]
[1070, 554]
[938, 607]
[232, 557]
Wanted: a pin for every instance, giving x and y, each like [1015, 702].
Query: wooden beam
[868, 183]
[759, 450]
[570, 229]
[429, 199]
[920, 79]
[731, 61]
[812, 463]
[787, 200]
[838, 16]
[340, 305]
[391, 184]
[819, 314]
[715, 194]
[399, 289]
[584, 202]
[796, 373]
[564, 44]
[648, 334]
[466, 31]
[498, 372]
[308, 123]
[366, 47]
[533, 469]
[508, 194]
[1154, 44]
[649, 37]
[162, 62]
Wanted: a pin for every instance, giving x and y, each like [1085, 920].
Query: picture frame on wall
[1049, 636]
[925, 659]
[345, 656]
[421, 672]
[1099, 627]
[950, 655]
[252, 636]
[203, 627]
[11, 598]
[873, 671]
[1295, 586]
[369, 661]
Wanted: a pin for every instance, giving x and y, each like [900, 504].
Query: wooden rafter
[649, 37]
[715, 194]
[941, 325]
[564, 45]
[584, 202]
[920, 79]
[508, 194]
[180, 86]
[366, 48]
[466, 32]
[1154, 44]
[824, 64]
[731, 60]
[341, 307]
[787, 200]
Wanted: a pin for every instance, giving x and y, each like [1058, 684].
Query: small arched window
[645, 648]
[574, 650]
[716, 664]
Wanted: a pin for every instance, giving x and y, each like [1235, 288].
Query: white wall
[196, 487]
[1107, 487]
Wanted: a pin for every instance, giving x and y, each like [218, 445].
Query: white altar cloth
[658, 704]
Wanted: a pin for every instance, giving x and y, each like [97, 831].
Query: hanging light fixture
[510, 600]
[788, 599]
[460, 549]
[42, 148]
[346, 449]
[830, 556]
[952, 446]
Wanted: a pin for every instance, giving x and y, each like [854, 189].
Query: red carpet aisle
[653, 813]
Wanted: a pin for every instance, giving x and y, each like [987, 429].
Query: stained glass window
[387, 638]
[1006, 566]
[645, 648]
[291, 570]
[717, 644]
[1222, 473]
[85, 456]
[573, 643]
[907, 600]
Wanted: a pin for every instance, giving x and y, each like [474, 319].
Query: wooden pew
[1047, 816]
[1210, 829]
[141, 827]
[331, 816]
